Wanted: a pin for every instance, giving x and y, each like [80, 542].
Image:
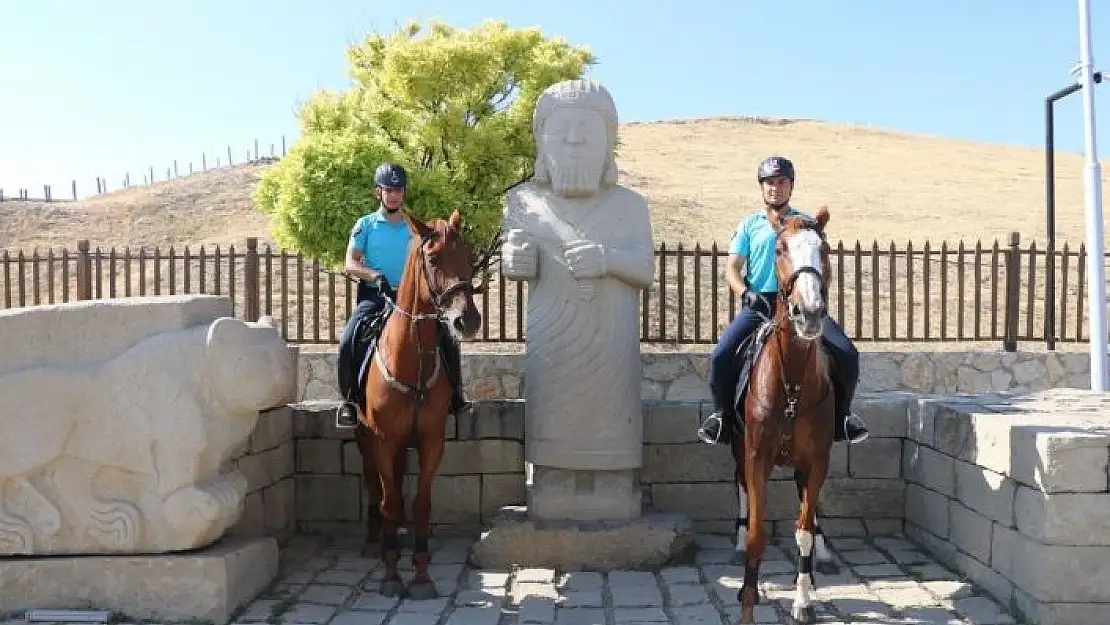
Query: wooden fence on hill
[915, 293]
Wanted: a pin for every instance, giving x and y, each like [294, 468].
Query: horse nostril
[458, 323]
[795, 309]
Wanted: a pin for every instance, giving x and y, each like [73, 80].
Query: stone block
[315, 418]
[969, 531]
[886, 413]
[1053, 573]
[687, 462]
[275, 426]
[857, 498]
[252, 523]
[986, 492]
[928, 467]
[500, 490]
[352, 458]
[927, 509]
[493, 419]
[709, 501]
[328, 497]
[651, 541]
[1046, 613]
[455, 498]
[205, 585]
[671, 421]
[876, 458]
[476, 456]
[319, 455]
[280, 506]
[1063, 518]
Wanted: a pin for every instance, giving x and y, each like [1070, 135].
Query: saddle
[368, 330]
[747, 353]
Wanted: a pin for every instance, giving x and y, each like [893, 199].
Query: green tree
[454, 107]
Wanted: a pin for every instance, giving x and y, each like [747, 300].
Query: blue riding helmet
[775, 166]
[390, 175]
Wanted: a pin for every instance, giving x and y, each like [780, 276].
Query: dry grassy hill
[698, 176]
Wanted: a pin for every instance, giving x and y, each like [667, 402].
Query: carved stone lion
[128, 451]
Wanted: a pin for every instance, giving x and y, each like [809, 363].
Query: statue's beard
[574, 180]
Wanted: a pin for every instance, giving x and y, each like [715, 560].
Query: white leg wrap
[821, 549]
[804, 590]
[741, 531]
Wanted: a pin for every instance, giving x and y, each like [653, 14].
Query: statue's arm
[633, 262]
[519, 260]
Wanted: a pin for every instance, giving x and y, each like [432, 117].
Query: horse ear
[822, 217]
[455, 220]
[418, 227]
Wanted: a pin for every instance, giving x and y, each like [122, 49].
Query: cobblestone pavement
[881, 580]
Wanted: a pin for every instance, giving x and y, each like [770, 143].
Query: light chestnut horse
[408, 394]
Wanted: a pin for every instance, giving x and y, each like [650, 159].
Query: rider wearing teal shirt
[753, 248]
[377, 251]
[384, 245]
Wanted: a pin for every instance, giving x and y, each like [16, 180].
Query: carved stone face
[574, 144]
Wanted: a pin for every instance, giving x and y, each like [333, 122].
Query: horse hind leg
[741, 526]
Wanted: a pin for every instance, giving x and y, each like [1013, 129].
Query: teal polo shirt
[754, 239]
[384, 246]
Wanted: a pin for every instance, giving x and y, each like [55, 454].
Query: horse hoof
[803, 616]
[372, 550]
[422, 590]
[828, 567]
[392, 588]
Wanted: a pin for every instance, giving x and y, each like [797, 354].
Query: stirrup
[706, 433]
[344, 414]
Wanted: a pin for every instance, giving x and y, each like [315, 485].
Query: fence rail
[878, 294]
[206, 164]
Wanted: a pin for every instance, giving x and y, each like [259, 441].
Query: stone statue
[119, 442]
[584, 245]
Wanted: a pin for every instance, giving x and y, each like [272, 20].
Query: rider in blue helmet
[376, 255]
[750, 273]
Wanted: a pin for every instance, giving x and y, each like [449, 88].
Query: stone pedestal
[205, 585]
[650, 541]
[572, 495]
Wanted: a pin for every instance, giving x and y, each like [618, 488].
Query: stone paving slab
[885, 580]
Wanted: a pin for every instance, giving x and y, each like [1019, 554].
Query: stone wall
[1013, 493]
[266, 460]
[681, 376]
[483, 469]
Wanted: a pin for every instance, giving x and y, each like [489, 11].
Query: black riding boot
[452, 360]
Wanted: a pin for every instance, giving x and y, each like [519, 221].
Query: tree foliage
[454, 107]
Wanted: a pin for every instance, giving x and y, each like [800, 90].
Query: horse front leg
[385, 454]
[825, 563]
[431, 448]
[364, 439]
[803, 610]
[757, 473]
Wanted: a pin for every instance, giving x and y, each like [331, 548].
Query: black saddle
[748, 352]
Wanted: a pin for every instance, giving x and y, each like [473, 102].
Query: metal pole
[1050, 227]
[1093, 196]
[1050, 205]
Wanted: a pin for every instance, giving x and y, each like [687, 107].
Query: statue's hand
[585, 259]
[518, 256]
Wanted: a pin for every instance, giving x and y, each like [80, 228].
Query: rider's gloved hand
[750, 298]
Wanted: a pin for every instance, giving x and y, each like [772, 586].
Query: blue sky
[102, 88]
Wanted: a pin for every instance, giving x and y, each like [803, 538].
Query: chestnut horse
[789, 408]
[408, 395]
